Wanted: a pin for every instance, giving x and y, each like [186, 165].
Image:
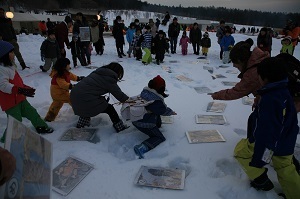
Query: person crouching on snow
[13, 92]
[60, 86]
[151, 121]
[88, 96]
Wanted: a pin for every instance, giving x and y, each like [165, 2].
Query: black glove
[79, 78]
[29, 92]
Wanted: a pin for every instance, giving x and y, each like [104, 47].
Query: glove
[79, 78]
[43, 57]
[29, 92]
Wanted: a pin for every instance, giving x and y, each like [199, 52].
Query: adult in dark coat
[195, 38]
[264, 40]
[88, 99]
[118, 35]
[7, 33]
[61, 34]
[173, 32]
[220, 34]
[84, 45]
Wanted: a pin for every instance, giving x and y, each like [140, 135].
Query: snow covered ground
[212, 172]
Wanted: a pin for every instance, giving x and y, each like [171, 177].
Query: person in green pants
[274, 133]
[13, 92]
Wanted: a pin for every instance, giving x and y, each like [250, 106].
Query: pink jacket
[249, 83]
[184, 42]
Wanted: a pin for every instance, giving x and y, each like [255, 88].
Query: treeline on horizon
[237, 16]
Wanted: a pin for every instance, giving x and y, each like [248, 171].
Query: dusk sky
[261, 5]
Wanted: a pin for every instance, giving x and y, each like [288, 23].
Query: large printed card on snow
[167, 119]
[68, 174]
[79, 134]
[183, 78]
[33, 153]
[216, 107]
[210, 119]
[203, 136]
[166, 178]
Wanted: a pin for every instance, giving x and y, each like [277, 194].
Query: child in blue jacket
[151, 121]
[129, 37]
[273, 132]
[226, 44]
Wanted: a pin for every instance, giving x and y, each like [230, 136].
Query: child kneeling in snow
[273, 133]
[151, 121]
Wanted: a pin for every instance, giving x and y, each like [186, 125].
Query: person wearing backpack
[151, 121]
[274, 133]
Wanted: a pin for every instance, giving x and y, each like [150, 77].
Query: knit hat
[5, 47]
[158, 84]
[161, 32]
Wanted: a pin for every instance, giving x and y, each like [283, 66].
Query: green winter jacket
[287, 49]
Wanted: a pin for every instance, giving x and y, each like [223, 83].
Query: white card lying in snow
[202, 89]
[202, 136]
[217, 107]
[167, 119]
[210, 119]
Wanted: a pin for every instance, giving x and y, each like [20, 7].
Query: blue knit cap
[5, 47]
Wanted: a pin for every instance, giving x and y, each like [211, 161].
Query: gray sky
[261, 5]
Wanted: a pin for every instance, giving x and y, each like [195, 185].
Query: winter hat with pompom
[5, 47]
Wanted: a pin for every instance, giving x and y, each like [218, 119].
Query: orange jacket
[294, 34]
[60, 86]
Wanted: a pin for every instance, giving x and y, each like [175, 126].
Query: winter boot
[23, 65]
[120, 126]
[42, 68]
[140, 150]
[44, 130]
[262, 182]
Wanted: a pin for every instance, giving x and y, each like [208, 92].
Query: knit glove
[29, 92]
[79, 78]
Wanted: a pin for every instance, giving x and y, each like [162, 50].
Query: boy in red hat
[151, 121]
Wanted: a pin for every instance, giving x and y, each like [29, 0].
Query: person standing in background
[173, 33]
[220, 34]
[195, 38]
[8, 34]
[61, 34]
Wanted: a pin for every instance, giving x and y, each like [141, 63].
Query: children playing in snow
[160, 46]
[205, 43]
[287, 45]
[13, 92]
[151, 121]
[88, 96]
[60, 86]
[184, 42]
[50, 51]
[137, 51]
[226, 44]
[273, 134]
[146, 41]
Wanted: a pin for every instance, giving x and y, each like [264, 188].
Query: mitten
[29, 92]
[79, 78]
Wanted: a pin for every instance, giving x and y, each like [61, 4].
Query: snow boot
[262, 182]
[120, 126]
[23, 65]
[140, 150]
[44, 130]
[42, 68]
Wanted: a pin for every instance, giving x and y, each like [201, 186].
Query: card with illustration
[84, 34]
[210, 119]
[224, 66]
[79, 134]
[219, 76]
[203, 136]
[33, 154]
[68, 174]
[167, 178]
[229, 83]
[183, 78]
[202, 89]
[217, 107]
[167, 119]
[232, 71]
